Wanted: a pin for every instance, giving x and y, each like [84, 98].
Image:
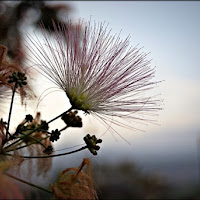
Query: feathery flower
[75, 183]
[99, 73]
[6, 69]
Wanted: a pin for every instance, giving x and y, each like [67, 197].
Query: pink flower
[99, 73]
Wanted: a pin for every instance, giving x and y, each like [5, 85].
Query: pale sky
[169, 30]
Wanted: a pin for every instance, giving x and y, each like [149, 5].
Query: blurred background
[163, 160]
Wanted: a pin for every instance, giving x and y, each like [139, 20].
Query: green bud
[91, 142]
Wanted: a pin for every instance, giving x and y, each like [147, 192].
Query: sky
[170, 32]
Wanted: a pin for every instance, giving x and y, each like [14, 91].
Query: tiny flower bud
[99, 141]
[55, 135]
[72, 120]
[29, 118]
[18, 78]
[48, 150]
[44, 126]
[91, 142]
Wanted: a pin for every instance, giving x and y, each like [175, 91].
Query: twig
[49, 156]
[31, 184]
[10, 111]
[38, 128]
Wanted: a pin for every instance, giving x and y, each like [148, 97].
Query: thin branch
[34, 142]
[49, 156]
[31, 184]
[39, 128]
[10, 111]
[26, 145]
[37, 141]
[60, 115]
[63, 128]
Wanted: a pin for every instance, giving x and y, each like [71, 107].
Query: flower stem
[60, 115]
[31, 184]
[37, 141]
[63, 128]
[26, 145]
[39, 128]
[10, 111]
[49, 156]
[8, 150]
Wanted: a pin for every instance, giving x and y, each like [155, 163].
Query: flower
[7, 68]
[75, 183]
[99, 73]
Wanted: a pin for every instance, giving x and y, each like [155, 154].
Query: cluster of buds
[91, 142]
[72, 119]
[18, 78]
[29, 118]
[43, 126]
[48, 150]
[27, 125]
[55, 135]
